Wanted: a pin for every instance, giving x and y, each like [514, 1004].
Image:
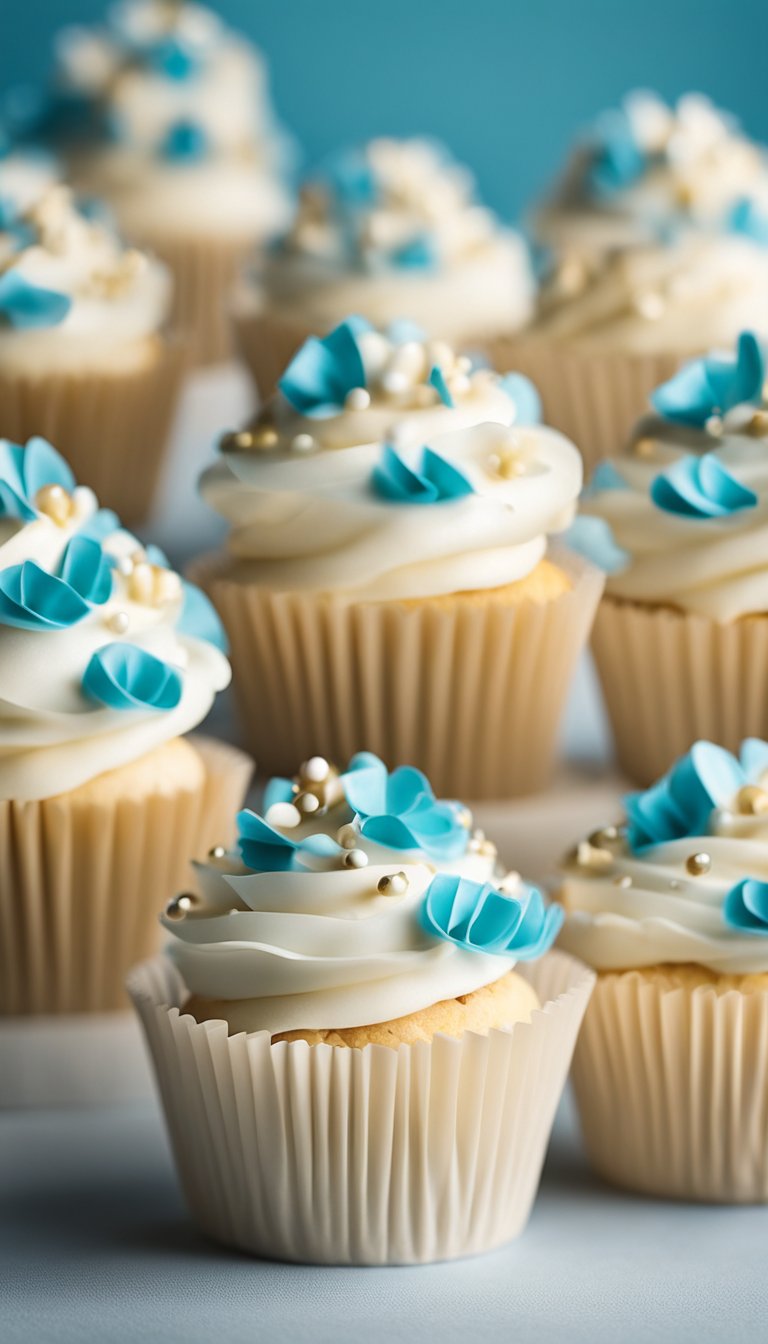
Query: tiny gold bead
[238, 441]
[758, 424]
[141, 583]
[55, 502]
[218, 852]
[604, 837]
[645, 447]
[752, 800]
[624, 880]
[265, 438]
[698, 864]
[180, 906]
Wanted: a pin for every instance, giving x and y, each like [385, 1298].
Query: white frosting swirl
[715, 567]
[340, 257]
[698, 165]
[686, 296]
[119, 297]
[232, 189]
[24, 178]
[52, 737]
[323, 949]
[635, 910]
[313, 522]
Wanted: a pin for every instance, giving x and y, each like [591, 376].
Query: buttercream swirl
[175, 116]
[394, 227]
[687, 504]
[340, 933]
[305, 498]
[670, 886]
[646, 167]
[88, 295]
[73, 587]
[695, 291]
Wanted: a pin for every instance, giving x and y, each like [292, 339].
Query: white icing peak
[716, 567]
[24, 178]
[338, 943]
[626, 910]
[52, 736]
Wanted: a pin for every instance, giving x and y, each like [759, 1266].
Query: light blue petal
[435, 481]
[185, 142]
[405, 786]
[419, 254]
[26, 306]
[86, 569]
[263, 848]
[42, 465]
[437, 380]
[277, 790]
[745, 907]
[33, 599]
[479, 918]
[199, 619]
[747, 219]
[605, 477]
[365, 785]
[594, 539]
[617, 160]
[754, 758]
[125, 677]
[525, 396]
[324, 371]
[700, 487]
[713, 385]
[680, 804]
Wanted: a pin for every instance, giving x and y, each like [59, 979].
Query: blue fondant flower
[351, 179]
[323, 372]
[713, 385]
[616, 159]
[174, 58]
[437, 380]
[31, 598]
[523, 393]
[87, 570]
[593, 538]
[123, 676]
[199, 618]
[681, 803]
[746, 218]
[185, 142]
[266, 850]
[418, 254]
[435, 481]
[746, 907]
[700, 487]
[480, 918]
[24, 471]
[400, 810]
[24, 305]
[605, 477]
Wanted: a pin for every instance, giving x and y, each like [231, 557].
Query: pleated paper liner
[84, 876]
[671, 677]
[111, 425]
[594, 397]
[376, 1156]
[267, 341]
[469, 691]
[205, 272]
[672, 1087]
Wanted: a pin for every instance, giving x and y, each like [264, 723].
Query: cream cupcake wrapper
[672, 1087]
[374, 1156]
[112, 426]
[205, 272]
[671, 677]
[594, 397]
[81, 885]
[471, 692]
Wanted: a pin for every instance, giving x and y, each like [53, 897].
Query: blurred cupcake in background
[165, 112]
[106, 659]
[671, 908]
[656, 250]
[390, 229]
[388, 569]
[401, 1011]
[681, 636]
[647, 168]
[85, 357]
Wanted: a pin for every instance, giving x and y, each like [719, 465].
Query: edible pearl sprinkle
[55, 502]
[307, 802]
[303, 443]
[697, 864]
[283, 815]
[179, 906]
[623, 881]
[118, 622]
[394, 884]
[359, 399]
[752, 800]
[355, 858]
[218, 852]
[347, 837]
[315, 769]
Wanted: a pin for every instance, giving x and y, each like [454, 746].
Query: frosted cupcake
[378, 586]
[671, 908]
[84, 353]
[680, 634]
[390, 229]
[647, 167]
[175, 130]
[342, 1010]
[607, 332]
[106, 659]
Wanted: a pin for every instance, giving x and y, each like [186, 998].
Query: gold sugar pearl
[152, 585]
[645, 447]
[587, 855]
[758, 425]
[180, 906]
[752, 800]
[698, 864]
[623, 880]
[56, 503]
[355, 858]
[347, 837]
[217, 852]
[605, 837]
[649, 305]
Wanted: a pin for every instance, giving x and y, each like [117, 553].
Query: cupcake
[671, 909]
[608, 331]
[379, 585]
[106, 659]
[681, 520]
[84, 354]
[339, 1017]
[389, 229]
[645, 168]
[165, 112]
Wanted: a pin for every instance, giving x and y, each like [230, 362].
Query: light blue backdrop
[504, 82]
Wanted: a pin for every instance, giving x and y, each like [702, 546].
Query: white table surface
[95, 1244]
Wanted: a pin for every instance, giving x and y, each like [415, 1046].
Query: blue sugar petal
[594, 539]
[437, 380]
[33, 599]
[745, 908]
[713, 385]
[700, 487]
[27, 306]
[86, 569]
[125, 677]
[277, 790]
[199, 618]
[525, 396]
[435, 481]
[324, 371]
[681, 803]
[479, 918]
[185, 142]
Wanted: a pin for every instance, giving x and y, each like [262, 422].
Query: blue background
[504, 84]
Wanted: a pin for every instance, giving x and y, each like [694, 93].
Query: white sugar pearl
[303, 443]
[347, 837]
[410, 360]
[375, 351]
[355, 858]
[315, 769]
[118, 622]
[359, 399]
[307, 802]
[395, 382]
[283, 815]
